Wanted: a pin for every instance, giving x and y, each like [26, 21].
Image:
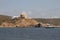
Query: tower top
[24, 15]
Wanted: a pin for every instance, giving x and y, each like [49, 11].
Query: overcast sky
[34, 8]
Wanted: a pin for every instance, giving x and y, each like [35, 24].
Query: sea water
[29, 33]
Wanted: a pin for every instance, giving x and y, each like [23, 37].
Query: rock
[7, 24]
[26, 22]
[38, 25]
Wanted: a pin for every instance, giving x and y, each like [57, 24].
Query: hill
[4, 18]
[24, 21]
[54, 21]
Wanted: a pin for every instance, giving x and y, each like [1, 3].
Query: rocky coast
[22, 21]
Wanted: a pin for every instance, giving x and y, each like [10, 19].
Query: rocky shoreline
[23, 21]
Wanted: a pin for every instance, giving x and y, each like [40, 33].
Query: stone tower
[24, 15]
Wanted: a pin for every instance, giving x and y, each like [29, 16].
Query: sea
[29, 33]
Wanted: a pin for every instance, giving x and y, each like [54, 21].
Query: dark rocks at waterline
[49, 27]
[38, 25]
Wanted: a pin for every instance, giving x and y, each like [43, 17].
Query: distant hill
[54, 21]
[4, 18]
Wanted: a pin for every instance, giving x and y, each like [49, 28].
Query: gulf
[29, 33]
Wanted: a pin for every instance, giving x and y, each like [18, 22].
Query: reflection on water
[29, 34]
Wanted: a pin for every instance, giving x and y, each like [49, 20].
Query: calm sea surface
[29, 33]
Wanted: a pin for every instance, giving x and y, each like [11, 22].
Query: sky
[34, 8]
